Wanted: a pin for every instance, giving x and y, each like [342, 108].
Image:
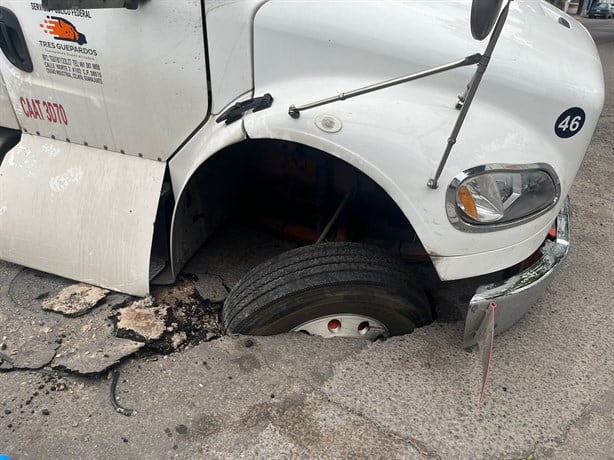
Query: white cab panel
[229, 35]
[117, 79]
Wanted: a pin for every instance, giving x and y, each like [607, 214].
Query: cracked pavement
[551, 393]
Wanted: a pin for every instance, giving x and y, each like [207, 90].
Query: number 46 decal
[570, 122]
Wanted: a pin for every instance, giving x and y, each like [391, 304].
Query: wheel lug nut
[334, 325]
[364, 327]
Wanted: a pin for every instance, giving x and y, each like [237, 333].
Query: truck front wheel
[331, 290]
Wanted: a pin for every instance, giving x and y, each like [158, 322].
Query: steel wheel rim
[344, 325]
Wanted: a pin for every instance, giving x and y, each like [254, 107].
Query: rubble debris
[61, 386]
[34, 354]
[75, 300]
[89, 345]
[211, 288]
[119, 409]
[97, 328]
[95, 358]
[179, 339]
[188, 314]
[116, 300]
[81, 339]
[183, 291]
[143, 320]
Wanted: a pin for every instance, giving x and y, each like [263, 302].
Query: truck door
[130, 81]
[103, 97]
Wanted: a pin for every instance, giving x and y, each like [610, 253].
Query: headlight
[494, 196]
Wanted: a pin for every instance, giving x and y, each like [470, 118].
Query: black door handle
[12, 41]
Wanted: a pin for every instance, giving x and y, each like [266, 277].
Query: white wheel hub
[345, 325]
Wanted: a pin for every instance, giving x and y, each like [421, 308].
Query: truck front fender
[397, 136]
[399, 144]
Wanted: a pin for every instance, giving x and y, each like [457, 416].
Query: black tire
[327, 279]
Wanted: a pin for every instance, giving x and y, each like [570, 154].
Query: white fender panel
[397, 136]
[400, 164]
[210, 139]
[79, 212]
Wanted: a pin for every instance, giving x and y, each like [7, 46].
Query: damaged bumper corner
[514, 296]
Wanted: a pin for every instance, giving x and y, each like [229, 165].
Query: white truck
[421, 168]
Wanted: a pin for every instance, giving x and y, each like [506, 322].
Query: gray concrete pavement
[551, 392]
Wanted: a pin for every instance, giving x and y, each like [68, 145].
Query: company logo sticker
[61, 29]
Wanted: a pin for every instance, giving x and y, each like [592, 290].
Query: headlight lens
[502, 196]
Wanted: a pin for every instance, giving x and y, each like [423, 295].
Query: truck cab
[132, 129]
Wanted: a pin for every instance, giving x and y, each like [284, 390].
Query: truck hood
[377, 40]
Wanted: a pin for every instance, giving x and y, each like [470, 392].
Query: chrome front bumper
[514, 296]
